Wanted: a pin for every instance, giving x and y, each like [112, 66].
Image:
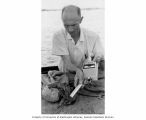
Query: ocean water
[51, 22]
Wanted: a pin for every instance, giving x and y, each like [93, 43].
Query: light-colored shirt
[88, 43]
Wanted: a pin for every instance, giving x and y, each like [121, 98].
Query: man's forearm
[68, 65]
[71, 67]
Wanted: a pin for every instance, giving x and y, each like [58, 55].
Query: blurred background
[91, 10]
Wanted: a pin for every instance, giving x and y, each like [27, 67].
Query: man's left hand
[97, 59]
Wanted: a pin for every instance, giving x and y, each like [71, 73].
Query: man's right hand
[71, 67]
[78, 77]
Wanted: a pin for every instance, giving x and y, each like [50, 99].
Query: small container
[90, 70]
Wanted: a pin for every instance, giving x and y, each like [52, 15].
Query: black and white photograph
[72, 57]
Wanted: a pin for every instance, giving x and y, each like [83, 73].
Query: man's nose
[70, 29]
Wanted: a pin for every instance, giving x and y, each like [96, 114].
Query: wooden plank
[44, 70]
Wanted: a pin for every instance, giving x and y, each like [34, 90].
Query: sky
[58, 4]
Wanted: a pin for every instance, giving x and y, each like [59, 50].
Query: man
[73, 44]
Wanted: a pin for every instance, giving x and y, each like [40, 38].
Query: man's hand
[97, 59]
[78, 77]
[71, 67]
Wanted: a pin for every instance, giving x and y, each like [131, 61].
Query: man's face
[71, 21]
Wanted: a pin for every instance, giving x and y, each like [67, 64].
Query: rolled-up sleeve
[59, 45]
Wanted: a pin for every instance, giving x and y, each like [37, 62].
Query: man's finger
[75, 81]
[97, 59]
[80, 81]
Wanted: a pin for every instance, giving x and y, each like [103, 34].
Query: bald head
[71, 12]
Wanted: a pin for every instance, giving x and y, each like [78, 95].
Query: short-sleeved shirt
[88, 43]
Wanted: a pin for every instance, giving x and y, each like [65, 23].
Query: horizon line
[61, 9]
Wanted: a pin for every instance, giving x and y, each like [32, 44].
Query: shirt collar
[68, 36]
